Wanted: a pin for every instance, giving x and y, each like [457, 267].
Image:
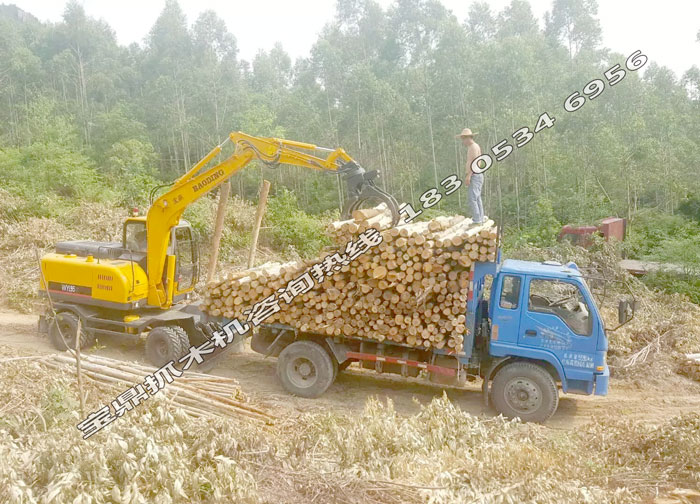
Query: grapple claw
[361, 188]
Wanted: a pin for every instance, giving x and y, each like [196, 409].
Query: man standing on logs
[475, 181]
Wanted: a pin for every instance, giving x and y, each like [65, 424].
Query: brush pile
[440, 454]
[412, 288]
[690, 366]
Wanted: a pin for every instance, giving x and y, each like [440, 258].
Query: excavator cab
[186, 249]
[183, 245]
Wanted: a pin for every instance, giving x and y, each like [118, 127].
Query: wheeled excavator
[144, 282]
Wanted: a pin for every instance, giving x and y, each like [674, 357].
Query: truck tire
[525, 390]
[166, 343]
[67, 322]
[305, 369]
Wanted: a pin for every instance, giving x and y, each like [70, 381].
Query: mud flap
[487, 379]
[338, 350]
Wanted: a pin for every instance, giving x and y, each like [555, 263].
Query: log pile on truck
[412, 288]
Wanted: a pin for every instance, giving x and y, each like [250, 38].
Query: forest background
[84, 119]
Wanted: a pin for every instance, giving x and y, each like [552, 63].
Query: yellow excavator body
[109, 283]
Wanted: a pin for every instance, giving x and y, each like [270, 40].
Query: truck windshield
[562, 299]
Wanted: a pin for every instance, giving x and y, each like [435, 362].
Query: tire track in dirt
[257, 377]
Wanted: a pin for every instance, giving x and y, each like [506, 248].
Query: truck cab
[538, 315]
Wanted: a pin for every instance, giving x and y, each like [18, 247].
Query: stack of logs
[199, 395]
[412, 288]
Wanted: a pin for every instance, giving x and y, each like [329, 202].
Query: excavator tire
[166, 343]
[66, 323]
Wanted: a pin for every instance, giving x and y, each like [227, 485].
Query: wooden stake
[262, 203]
[218, 227]
[75, 352]
[80, 374]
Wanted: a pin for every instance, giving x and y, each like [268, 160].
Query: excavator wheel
[166, 343]
[66, 323]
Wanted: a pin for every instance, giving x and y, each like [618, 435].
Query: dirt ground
[632, 399]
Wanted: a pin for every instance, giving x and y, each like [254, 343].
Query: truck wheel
[166, 343]
[525, 390]
[305, 369]
[67, 322]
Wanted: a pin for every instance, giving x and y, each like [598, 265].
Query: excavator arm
[166, 211]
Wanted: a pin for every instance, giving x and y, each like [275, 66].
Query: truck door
[506, 314]
[557, 317]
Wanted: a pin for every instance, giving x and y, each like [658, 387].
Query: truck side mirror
[625, 311]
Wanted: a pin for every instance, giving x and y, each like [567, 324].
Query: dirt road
[256, 376]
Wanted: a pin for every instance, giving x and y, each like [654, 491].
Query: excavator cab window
[187, 263]
[135, 236]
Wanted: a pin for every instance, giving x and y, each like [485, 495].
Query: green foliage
[49, 176]
[541, 231]
[673, 241]
[684, 251]
[131, 165]
[691, 208]
[291, 226]
[392, 85]
[114, 126]
[57, 404]
[200, 215]
[664, 237]
[673, 282]
[47, 124]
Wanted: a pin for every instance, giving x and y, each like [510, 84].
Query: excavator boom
[166, 211]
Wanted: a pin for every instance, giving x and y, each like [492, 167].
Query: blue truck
[531, 328]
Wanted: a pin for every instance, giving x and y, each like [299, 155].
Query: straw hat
[466, 132]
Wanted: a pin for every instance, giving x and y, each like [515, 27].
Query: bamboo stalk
[79, 370]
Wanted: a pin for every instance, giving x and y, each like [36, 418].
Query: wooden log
[413, 284]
